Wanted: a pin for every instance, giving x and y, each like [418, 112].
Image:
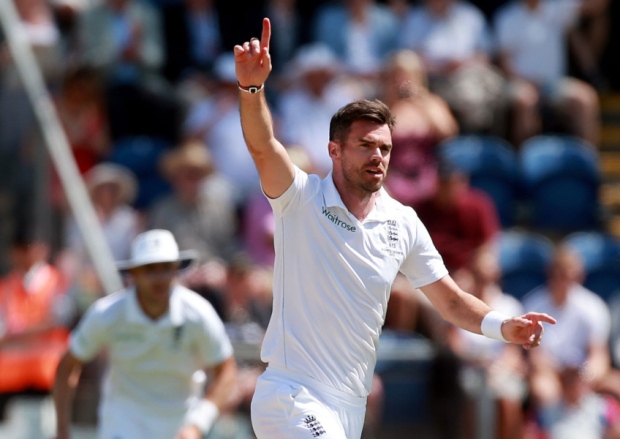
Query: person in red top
[34, 315]
[459, 218]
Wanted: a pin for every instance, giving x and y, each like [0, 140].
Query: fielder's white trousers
[287, 405]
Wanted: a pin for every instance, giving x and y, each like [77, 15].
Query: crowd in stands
[146, 93]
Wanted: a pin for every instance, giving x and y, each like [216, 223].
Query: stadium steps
[609, 149]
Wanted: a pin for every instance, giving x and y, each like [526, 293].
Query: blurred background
[507, 145]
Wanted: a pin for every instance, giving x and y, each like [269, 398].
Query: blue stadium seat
[601, 258]
[141, 154]
[523, 258]
[562, 178]
[404, 363]
[492, 165]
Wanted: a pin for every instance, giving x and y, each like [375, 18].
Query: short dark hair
[373, 111]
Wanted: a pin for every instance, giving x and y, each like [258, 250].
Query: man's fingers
[266, 35]
[255, 46]
[238, 50]
[541, 317]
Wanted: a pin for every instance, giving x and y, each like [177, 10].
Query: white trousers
[289, 406]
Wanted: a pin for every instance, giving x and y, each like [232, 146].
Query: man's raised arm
[253, 65]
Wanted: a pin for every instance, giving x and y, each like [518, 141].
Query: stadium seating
[492, 165]
[523, 258]
[562, 177]
[601, 257]
[141, 155]
[404, 363]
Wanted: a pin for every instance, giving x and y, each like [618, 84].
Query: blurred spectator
[286, 35]
[489, 7]
[200, 212]
[216, 122]
[39, 30]
[66, 15]
[490, 362]
[532, 43]
[35, 314]
[123, 41]
[454, 42]
[191, 36]
[247, 308]
[614, 307]
[81, 109]
[424, 121]
[459, 218]
[360, 32]
[112, 188]
[306, 108]
[248, 301]
[581, 334]
[400, 9]
[579, 412]
[258, 225]
[588, 39]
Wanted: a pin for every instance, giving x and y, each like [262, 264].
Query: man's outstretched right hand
[252, 59]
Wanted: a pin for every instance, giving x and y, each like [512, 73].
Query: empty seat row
[524, 257]
[550, 183]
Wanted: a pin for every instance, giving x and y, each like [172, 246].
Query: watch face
[250, 88]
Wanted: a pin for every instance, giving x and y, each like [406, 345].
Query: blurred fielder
[157, 335]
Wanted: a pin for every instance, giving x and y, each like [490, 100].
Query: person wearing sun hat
[200, 212]
[112, 188]
[159, 337]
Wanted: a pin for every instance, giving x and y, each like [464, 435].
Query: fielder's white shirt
[150, 363]
[332, 280]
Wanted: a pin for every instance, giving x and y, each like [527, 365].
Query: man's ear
[334, 149]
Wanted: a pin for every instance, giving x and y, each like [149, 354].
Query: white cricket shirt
[150, 363]
[332, 280]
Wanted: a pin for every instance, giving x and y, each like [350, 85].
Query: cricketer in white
[157, 335]
[339, 244]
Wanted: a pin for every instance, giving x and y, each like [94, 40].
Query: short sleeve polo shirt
[332, 279]
[151, 362]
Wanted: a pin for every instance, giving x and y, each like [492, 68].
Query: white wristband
[491, 325]
[202, 414]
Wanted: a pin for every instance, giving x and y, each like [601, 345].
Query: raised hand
[252, 59]
[526, 330]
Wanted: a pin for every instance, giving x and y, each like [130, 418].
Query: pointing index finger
[266, 35]
[541, 317]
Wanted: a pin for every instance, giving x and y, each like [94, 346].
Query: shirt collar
[174, 316]
[332, 198]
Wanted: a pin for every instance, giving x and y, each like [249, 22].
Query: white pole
[58, 147]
